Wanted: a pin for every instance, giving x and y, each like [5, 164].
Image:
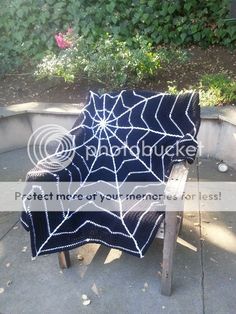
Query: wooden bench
[169, 229]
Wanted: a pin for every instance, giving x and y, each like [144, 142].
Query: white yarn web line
[104, 127]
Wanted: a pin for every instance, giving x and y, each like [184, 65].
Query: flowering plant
[111, 62]
[65, 40]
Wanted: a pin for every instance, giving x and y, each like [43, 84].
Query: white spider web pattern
[105, 126]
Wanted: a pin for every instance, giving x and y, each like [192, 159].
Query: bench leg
[64, 259]
[168, 252]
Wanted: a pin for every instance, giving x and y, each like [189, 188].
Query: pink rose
[62, 42]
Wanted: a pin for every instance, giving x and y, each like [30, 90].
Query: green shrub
[217, 89]
[27, 26]
[109, 61]
[214, 89]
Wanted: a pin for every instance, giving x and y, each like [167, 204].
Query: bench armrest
[177, 179]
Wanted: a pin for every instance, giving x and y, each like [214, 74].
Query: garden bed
[24, 87]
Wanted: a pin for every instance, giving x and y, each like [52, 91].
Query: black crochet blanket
[122, 123]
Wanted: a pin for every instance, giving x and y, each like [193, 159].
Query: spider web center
[103, 123]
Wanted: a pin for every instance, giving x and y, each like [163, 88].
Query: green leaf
[172, 9]
[197, 37]
[183, 36]
[111, 6]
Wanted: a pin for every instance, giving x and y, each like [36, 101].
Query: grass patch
[214, 89]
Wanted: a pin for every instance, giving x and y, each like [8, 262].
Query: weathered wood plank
[173, 218]
[64, 259]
